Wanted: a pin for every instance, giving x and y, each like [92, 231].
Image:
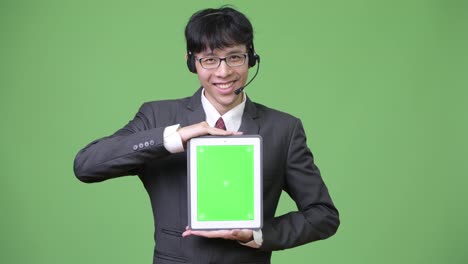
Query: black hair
[217, 28]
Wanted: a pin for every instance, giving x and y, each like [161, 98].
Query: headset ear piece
[191, 62]
[253, 57]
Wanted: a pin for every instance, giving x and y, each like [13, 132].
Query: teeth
[224, 85]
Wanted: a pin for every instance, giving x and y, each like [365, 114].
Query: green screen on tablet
[225, 182]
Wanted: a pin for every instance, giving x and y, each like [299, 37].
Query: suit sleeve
[124, 152]
[316, 218]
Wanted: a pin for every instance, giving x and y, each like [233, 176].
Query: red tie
[220, 124]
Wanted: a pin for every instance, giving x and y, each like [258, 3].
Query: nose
[223, 69]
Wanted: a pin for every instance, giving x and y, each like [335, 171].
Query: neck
[223, 109]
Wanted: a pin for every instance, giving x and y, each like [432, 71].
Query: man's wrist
[251, 238]
[256, 239]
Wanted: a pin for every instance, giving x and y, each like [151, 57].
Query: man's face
[220, 83]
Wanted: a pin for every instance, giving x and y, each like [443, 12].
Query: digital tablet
[225, 182]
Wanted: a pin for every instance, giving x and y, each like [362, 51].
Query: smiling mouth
[224, 85]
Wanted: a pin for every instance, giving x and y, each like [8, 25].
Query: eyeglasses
[233, 60]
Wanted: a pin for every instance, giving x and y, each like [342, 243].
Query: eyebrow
[235, 51]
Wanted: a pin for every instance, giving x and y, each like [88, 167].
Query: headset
[253, 58]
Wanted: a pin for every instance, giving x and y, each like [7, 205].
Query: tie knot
[220, 124]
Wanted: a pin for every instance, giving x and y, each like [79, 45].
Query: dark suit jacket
[138, 149]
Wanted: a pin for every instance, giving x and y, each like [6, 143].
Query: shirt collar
[232, 118]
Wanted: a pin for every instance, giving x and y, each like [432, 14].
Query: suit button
[146, 144]
[135, 147]
[151, 142]
[140, 145]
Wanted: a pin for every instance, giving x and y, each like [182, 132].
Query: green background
[225, 189]
[381, 87]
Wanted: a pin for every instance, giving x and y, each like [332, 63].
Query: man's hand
[241, 235]
[202, 129]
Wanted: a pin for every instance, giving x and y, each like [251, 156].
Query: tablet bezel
[193, 222]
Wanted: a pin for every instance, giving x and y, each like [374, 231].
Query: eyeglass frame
[222, 59]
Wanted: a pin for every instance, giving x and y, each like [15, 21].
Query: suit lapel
[196, 114]
[250, 121]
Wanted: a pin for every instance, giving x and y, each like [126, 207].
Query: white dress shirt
[232, 118]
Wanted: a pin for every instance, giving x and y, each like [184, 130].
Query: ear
[186, 56]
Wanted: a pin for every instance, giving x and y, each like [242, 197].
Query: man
[220, 51]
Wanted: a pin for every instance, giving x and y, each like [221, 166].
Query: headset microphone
[239, 90]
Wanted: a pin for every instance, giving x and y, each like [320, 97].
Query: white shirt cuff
[172, 140]
[257, 240]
